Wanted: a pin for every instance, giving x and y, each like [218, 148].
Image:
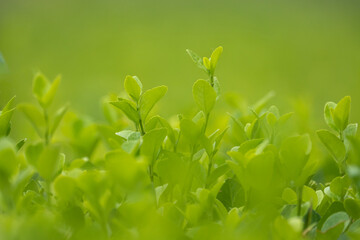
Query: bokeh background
[308, 50]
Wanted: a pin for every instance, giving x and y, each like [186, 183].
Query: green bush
[140, 176]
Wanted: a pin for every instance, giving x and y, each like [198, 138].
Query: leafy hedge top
[141, 176]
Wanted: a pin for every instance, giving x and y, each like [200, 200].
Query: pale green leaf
[48, 97]
[328, 116]
[341, 113]
[34, 115]
[128, 108]
[133, 87]
[215, 58]
[333, 144]
[204, 95]
[148, 100]
[197, 60]
[57, 118]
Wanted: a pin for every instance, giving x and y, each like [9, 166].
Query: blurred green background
[300, 49]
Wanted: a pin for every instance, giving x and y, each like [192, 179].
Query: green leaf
[190, 130]
[294, 154]
[231, 194]
[65, 187]
[309, 195]
[5, 117]
[20, 144]
[259, 170]
[352, 207]
[50, 92]
[350, 130]
[206, 63]
[215, 58]
[328, 116]
[172, 168]
[152, 142]
[204, 95]
[148, 100]
[341, 113]
[8, 160]
[260, 104]
[334, 220]
[197, 60]
[48, 162]
[34, 115]
[57, 118]
[133, 87]
[160, 122]
[128, 108]
[33, 151]
[339, 186]
[289, 196]
[333, 144]
[40, 85]
[8, 105]
[5, 124]
[129, 134]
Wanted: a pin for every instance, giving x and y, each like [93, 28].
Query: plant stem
[47, 127]
[151, 173]
[141, 127]
[206, 122]
[300, 190]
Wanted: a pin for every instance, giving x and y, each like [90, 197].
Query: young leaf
[57, 119]
[34, 115]
[48, 162]
[133, 87]
[149, 99]
[204, 95]
[159, 122]
[40, 85]
[333, 144]
[206, 63]
[5, 117]
[328, 116]
[128, 108]
[50, 92]
[260, 104]
[197, 60]
[152, 142]
[8, 159]
[190, 130]
[294, 154]
[341, 113]
[129, 134]
[8, 105]
[215, 58]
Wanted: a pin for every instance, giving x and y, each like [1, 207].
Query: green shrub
[140, 176]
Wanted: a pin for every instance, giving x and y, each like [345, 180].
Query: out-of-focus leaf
[333, 144]
[57, 119]
[34, 115]
[204, 95]
[352, 207]
[152, 142]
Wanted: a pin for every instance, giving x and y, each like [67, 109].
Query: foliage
[181, 179]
